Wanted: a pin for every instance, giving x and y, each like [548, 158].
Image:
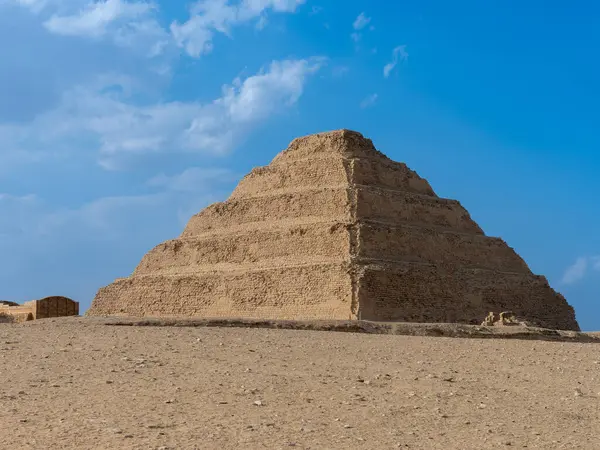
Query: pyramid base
[307, 292]
[375, 291]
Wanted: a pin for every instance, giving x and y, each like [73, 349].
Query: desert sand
[80, 383]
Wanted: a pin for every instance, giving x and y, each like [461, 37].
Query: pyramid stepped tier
[307, 242]
[333, 229]
[318, 204]
[408, 243]
[289, 244]
[390, 206]
[310, 291]
[414, 293]
[330, 169]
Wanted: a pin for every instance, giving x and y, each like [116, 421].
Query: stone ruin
[504, 319]
[44, 308]
[333, 229]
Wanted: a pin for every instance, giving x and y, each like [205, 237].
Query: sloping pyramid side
[277, 248]
[333, 229]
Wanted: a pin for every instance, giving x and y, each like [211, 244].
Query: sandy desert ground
[78, 383]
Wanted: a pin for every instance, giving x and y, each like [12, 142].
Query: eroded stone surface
[333, 229]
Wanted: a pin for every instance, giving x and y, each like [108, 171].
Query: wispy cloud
[110, 217]
[580, 268]
[96, 17]
[103, 118]
[576, 272]
[369, 101]
[315, 10]
[358, 25]
[14, 212]
[361, 21]
[339, 71]
[193, 179]
[398, 54]
[33, 5]
[208, 17]
[127, 23]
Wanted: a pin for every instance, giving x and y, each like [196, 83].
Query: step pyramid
[333, 229]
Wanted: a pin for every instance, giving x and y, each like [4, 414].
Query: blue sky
[119, 119]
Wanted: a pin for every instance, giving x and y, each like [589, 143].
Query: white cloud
[95, 19]
[102, 118]
[210, 16]
[107, 218]
[369, 101]
[361, 21]
[16, 198]
[128, 23]
[576, 272]
[580, 267]
[260, 95]
[359, 24]
[34, 5]
[399, 53]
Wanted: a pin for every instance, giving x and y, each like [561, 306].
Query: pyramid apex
[347, 143]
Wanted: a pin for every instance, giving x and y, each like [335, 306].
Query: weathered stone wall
[42, 309]
[328, 170]
[376, 204]
[322, 204]
[418, 244]
[18, 313]
[296, 243]
[410, 292]
[55, 307]
[388, 174]
[333, 229]
[303, 292]
[343, 143]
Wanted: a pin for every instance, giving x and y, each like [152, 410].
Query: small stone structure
[39, 309]
[506, 318]
[333, 229]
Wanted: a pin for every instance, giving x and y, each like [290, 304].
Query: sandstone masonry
[333, 229]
